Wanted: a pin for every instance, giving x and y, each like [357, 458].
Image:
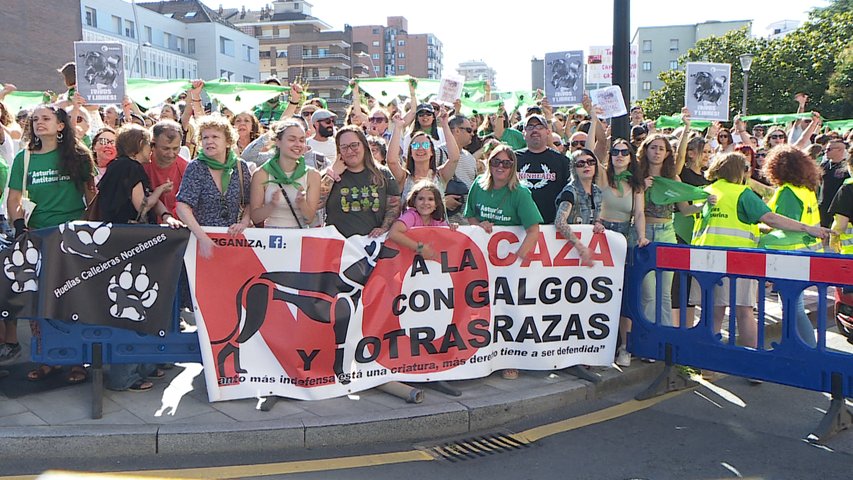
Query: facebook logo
[277, 241]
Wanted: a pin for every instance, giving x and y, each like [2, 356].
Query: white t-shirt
[327, 148]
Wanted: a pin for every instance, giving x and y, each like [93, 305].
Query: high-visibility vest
[810, 216]
[846, 237]
[719, 225]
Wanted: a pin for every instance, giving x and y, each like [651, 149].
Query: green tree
[814, 59]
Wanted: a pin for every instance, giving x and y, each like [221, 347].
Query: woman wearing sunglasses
[421, 158]
[215, 189]
[104, 145]
[725, 144]
[497, 198]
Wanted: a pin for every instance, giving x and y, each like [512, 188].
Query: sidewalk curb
[415, 423]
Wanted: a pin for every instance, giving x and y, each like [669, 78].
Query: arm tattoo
[392, 212]
[562, 222]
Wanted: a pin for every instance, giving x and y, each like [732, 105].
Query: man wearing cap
[323, 140]
[541, 169]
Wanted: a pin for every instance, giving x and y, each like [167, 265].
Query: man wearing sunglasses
[378, 124]
[540, 168]
[323, 140]
[834, 173]
[466, 169]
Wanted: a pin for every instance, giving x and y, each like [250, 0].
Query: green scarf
[666, 190]
[226, 167]
[278, 176]
[619, 177]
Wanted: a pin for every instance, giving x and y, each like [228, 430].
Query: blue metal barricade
[790, 361]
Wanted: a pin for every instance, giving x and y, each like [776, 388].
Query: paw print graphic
[22, 267]
[131, 294]
[83, 240]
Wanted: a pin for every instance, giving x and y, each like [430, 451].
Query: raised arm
[448, 169]
[392, 157]
[805, 138]
[195, 107]
[681, 154]
[294, 101]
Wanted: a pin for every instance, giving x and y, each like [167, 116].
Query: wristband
[420, 248]
[163, 215]
[293, 103]
[20, 227]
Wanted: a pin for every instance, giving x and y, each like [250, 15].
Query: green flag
[776, 118]
[148, 93]
[785, 238]
[15, 101]
[484, 108]
[241, 97]
[675, 121]
[839, 126]
[665, 191]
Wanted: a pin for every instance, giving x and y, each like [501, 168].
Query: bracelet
[293, 103]
[163, 215]
[420, 248]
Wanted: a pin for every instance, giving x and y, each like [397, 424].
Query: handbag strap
[292, 210]
[26, 169]
[240, 202]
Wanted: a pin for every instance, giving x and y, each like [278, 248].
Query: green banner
[148, 93]
[776, 118]
[386, 89]
[241, 97]
[675, 121]
[15, 101]
[839, 126]
[665, 191]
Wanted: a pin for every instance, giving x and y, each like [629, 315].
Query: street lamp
[365, 54]
[745, 65]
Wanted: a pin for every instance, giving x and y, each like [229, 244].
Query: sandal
[140, 386]
[76, 375]
[41, 372]
[157, 373]
[509, 374]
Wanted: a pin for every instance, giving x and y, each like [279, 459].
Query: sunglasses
[326, 122]
[106, 141]
[538, 126]
[578, 143]
[724, 136]
[760, 155]
[499, 162]
[421, 145]
[307, 114]
[378, 119]
[350, 146]
[425, 114]
[619, 152]
[585, 163]
[777, 137]
[558, 144]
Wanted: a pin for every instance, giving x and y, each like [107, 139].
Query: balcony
[328, 78]
[339, 56]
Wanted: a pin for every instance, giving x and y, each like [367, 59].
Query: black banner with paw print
[19, 283]
[121, 276]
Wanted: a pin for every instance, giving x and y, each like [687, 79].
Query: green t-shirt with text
[503, 207]
[56, 197]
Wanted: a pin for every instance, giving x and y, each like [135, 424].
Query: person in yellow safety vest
[733, 222]
[797, 178]
[841, 209]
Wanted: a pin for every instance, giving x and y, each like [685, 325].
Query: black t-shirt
[842, 203]
[116, 188]
[833, 176]
[545, 174]
[692, 178]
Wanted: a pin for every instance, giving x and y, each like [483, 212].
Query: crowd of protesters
[292, 163]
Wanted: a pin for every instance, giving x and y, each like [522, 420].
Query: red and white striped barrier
[816, 268]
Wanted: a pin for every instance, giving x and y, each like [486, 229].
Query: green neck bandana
[619, 178]
[227, 167]
[278, 176]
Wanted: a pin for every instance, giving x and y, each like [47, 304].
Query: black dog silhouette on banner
[256, 294]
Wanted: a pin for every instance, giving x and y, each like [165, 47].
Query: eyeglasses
[350, 146]
[578, 143]
[378, 119]
[421, 145]
[619, 152]
[777, 137]
[590, 162]
[467, 129]
[106, 141]
[537, 126]
[500, 162]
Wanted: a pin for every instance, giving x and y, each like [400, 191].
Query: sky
[502, 37]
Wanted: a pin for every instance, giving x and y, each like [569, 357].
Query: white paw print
[82, 240]
[131, 294]
[22, 267]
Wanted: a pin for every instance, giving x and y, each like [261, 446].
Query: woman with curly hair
[755, 180]
[56, 170]
[796, 178]
[248, 130]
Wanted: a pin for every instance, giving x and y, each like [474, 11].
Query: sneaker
[623, 358]
[9, 353]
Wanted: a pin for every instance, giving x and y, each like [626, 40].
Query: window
[281, 54]
[401, 68]
[248, 79]
[673, 64]
[91, 17]
[265, 54]
[673, 45]
[375, 56]
[376, 69]
[117, 24]
[227, 75]
[129, 29]
[190, 15]
[179, 44]
[647, 66]
[401, 55]
[247, 53]
[191, 46]
[647, 86]
[376, 43]
[647, 45]
[226, 46]
[149, 36]
[401, 43]
[376, 31]
[322, 52]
